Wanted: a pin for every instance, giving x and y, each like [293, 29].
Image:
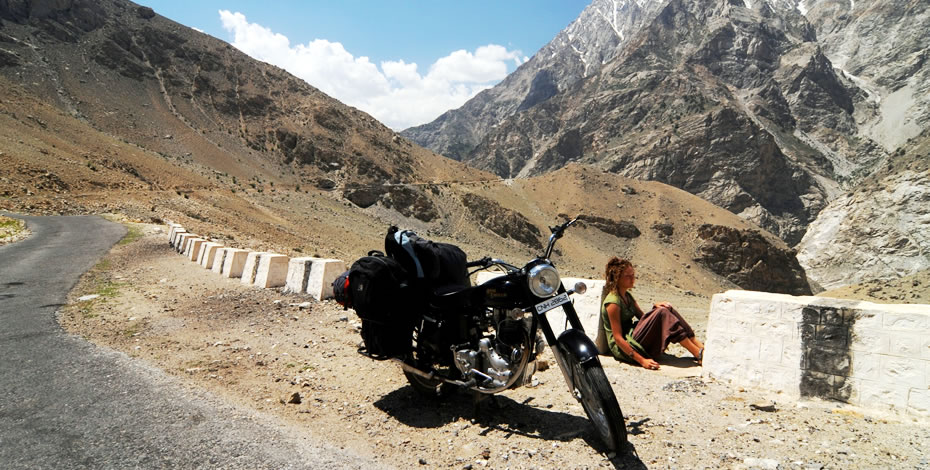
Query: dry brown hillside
[53, 163]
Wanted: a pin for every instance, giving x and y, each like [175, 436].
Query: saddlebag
[431, 264]
[377, 288]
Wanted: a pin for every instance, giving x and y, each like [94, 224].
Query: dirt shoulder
[12, 230]
[259, 347]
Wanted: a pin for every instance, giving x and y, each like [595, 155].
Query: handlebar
[481, 262]
[557, 232]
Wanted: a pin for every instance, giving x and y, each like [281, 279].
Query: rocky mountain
[600, 32]
[879, 230]
[768, 108]
[882, 47]
[737, 104]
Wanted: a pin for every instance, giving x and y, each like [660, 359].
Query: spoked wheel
[593, 390]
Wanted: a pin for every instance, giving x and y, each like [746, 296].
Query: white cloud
[396, 93]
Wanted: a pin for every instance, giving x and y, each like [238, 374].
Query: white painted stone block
[208, 255]
[907, 344]
[882, 395]
[250, 270]
[201, 253]
[765, 328]
[902, 370]
[770, 349]
[738, 326]
[780, 378]
[322, 274]
[173, 228]
[182, 241]
[271, 271]
[867, 320]
[873, 341]
[194, 249]
[876, 356]
[895, 321]
[752, 374]
[723, 306]
[188, 244]
[918, 402]
[298, 273]
[217, 266]
[179, 239]
[234, 262]
[792, 313]
[866, 365]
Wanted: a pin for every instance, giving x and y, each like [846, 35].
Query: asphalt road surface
[66, 403]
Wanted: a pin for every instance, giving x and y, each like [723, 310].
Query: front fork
[572, 344]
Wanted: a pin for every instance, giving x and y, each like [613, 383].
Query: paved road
[65, 403]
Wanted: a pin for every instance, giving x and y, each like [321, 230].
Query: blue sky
[403, 62]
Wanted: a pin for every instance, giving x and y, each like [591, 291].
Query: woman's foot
[700, 357]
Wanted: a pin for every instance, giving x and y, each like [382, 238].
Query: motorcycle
[485, 338]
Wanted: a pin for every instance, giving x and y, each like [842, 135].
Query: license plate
[552, 303]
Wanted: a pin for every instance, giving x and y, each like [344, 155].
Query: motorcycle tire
[430, 388]
[592, 389]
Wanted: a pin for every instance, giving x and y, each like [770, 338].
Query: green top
[627, 314]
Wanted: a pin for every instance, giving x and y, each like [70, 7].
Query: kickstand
[479, 398]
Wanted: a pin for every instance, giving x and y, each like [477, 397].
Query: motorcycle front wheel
[592, 389]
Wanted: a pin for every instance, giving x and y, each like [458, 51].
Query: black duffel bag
[430, 264]
[377, 288]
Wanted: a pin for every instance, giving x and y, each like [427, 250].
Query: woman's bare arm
[613, 314]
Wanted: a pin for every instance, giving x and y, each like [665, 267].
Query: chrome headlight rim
[543, 280]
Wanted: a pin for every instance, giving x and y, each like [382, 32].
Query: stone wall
[871, 355]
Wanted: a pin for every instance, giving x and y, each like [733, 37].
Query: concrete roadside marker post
[183, 238]
[173, 230]
[200, 253]
[322, 274]
[209, 252]
[176, 238]
[251, 267]
[298, 272]
[234, 262]
[186, 249]
[874, 356]
[217, 266]
[271, 271]
[194, 250]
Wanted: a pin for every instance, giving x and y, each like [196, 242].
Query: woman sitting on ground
[643, 341]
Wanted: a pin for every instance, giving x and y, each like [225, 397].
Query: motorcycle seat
[451, 296]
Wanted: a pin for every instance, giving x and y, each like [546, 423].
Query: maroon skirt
[660, 327]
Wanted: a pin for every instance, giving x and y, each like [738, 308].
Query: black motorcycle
[483, 338]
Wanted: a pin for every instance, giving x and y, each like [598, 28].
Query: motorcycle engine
[492, 364]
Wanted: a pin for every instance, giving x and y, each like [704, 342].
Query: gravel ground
[295, 358]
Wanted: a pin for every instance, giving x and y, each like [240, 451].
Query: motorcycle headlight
[543, 280]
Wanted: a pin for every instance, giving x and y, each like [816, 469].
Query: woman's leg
[692, 346]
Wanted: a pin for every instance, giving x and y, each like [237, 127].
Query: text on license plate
[552, 303]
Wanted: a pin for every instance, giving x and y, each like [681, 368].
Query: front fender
[577, 344]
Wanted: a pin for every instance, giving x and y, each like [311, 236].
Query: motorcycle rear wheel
[592, 389]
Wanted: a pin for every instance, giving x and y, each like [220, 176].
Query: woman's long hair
[612, 273]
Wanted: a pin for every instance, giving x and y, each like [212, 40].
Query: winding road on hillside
[66, 403]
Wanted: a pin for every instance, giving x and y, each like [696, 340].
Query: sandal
[700, 357]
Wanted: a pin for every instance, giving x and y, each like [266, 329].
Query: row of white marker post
[308, 275]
